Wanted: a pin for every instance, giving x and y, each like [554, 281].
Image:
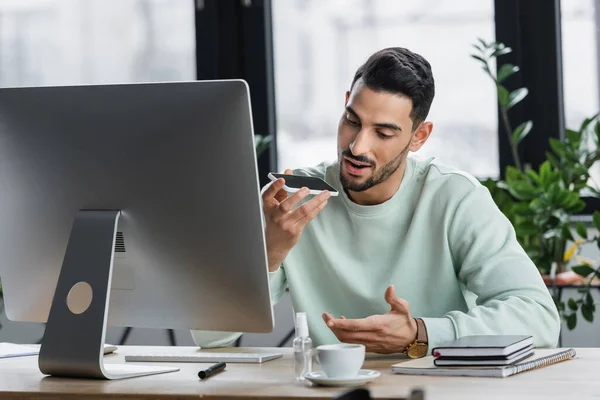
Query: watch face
[418, 350]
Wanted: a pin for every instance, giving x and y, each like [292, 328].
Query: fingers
[289, 204]
[309, 210]
[269, 194]
[327, 317]
[353, 325]
[281, 196]
[365, 338]
[395, 302]
[275, 190]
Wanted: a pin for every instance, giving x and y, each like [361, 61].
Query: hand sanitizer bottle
[302, 348]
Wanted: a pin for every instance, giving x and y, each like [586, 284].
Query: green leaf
[538, 204]
[570, 199]
[572, 321]
[502, 96]
[572, 305]
[587, 121]
[572, 136]
[513, 174]
[554, 193]
[541, 219]
[522, 209]
[521, 131]
[506, 70]
[522, 190]
[577, 207]
[566, 233]
[526, 228]
[475, 56]
[516, 96]
[581, 230]
[596, 219]
[478, 48]
[534, 176]
[484, 44]
[589, 301]
[501, 51]
[588, 313]
[557, 146]
[553, 160]
[546, 173]
[583, 270]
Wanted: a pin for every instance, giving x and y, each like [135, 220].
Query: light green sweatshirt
[440, 240]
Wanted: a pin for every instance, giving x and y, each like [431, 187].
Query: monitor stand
[73, 343]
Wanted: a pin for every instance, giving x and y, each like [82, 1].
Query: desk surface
[20, 378]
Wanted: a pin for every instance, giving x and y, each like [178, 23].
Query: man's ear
[347, 97]
[421, 135]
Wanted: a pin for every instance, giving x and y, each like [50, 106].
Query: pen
[213, 369]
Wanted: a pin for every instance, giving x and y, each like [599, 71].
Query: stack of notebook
[484, 356]
[484, 350]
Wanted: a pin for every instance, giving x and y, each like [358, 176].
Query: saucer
[364, 376]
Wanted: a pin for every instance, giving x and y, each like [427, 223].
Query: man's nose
[360, 145]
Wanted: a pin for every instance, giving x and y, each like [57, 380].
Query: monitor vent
[120, 243]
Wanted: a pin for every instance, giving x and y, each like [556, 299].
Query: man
[412, 253]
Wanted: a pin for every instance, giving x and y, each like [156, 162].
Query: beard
[379, 175]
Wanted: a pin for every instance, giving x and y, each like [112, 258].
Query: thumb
[288, 172]
[394, 301]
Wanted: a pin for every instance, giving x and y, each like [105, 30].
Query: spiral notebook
[541, 358]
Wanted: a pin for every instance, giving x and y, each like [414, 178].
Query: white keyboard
[202, 357]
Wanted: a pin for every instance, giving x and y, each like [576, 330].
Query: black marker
[212, 370]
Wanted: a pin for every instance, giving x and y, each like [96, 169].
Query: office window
[319, 44]
[580, 34]
[56, 42]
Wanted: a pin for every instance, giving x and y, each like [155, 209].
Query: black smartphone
[293, 183]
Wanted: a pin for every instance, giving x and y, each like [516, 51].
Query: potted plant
[541, 203]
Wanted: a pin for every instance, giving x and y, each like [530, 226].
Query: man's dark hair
[399, 71]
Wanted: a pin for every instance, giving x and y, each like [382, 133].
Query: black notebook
[515, 357]
[484, 346]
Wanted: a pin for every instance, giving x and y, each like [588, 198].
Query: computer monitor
[138, 203]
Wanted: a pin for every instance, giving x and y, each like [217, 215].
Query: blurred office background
[299, 57]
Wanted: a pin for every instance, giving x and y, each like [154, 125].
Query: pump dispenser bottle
[302, 345]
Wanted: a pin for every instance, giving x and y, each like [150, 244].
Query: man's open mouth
[357, 165]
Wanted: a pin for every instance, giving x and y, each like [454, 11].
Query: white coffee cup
[341, 360]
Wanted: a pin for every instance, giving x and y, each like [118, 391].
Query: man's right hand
[284, 224]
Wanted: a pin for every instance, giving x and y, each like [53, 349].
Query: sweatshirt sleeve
[211, 339]
[511, 295]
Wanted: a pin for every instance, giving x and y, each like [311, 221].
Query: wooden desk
[20, 379]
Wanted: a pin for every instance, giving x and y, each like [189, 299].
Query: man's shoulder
[437, 174]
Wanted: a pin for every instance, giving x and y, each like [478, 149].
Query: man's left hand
[388, 333]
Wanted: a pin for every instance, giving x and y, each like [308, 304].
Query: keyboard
[203, 357]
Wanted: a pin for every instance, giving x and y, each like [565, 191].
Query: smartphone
[294, 183]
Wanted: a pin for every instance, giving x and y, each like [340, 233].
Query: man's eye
[383, 135]
[351, 122]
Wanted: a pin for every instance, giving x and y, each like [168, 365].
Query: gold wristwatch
[419, 347]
